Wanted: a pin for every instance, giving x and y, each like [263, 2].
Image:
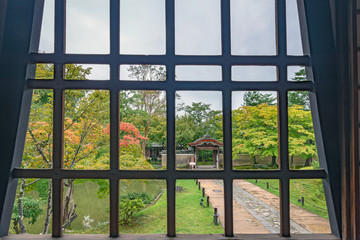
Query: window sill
[179, 236]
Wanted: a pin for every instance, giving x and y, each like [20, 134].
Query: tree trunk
[21, 208]
[273, 161]
[308, 162]
[48, 209]
[69, 214]
[20, 222]
[145, 135]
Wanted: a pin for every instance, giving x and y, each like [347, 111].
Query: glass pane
[46, 44]
[87, 26]
[144, 72]
[86, 129]
[255, 130]
[196, 204]
[308, 209]
[143, 207]
[302, 146]
[39, 136]
[293, 34]
[254, 73]
[256, 206]
[253, 30]
[44, 71]
[297, 74]
[86, 72]
[198, 130]
[86, 206]
[142, 130]
[198, 73]
[197, 27]
[29, 214]
[142, 27]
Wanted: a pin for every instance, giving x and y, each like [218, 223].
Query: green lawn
[190, 216]
[311, 189]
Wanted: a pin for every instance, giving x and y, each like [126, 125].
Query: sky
[197, 32]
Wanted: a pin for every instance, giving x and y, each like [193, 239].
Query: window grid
[226, 60]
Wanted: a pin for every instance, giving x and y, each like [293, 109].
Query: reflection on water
[152, 187]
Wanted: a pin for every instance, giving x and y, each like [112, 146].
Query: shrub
[128, 208]
[144, 196]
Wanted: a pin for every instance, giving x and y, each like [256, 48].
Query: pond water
[89, 204]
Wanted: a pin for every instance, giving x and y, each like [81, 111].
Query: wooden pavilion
[207, 143]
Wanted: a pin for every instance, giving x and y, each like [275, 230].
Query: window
[21, 18]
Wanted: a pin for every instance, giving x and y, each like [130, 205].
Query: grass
[311, 189]
[190, 216]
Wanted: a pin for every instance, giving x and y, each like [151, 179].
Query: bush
[143, 196]
[128, 208]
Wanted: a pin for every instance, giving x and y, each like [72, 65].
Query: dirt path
[257, 211]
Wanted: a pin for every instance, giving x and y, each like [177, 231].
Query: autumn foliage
[130, 134]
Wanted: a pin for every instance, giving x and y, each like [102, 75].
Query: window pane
[86, 206]
[46, 44]
[255, 130]
[143, 206]
[87, 26]
[198, 130]
[293, 34]
[86, 72]
[32, 197]
[44, 71]
[144, 72]
[254, 73]
[253, 27]
[142, 130]
[298, 74]
[308, 210]
[39, 136]
[256, 206]
[197, 27]
[195, 206]
[302, 146]
[86, 129]
[142, 27]
[198, 73]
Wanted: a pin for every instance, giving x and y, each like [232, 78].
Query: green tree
[255, 132]
[254, 98]
[196, 120]
[300, 98]
[146, 107]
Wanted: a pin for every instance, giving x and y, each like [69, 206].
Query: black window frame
[20, 30]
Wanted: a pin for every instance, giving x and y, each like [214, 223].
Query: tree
[255, 131]
[149, 105]
[300, 98]
[254, 98]
[84, 121]
[197, 120]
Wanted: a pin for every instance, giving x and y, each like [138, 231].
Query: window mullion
[114, 116]
[284, 159]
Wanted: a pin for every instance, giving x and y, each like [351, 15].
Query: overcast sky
[197, 32]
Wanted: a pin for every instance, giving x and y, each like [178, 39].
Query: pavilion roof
[206, 140]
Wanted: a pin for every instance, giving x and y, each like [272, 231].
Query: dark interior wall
[15, 40]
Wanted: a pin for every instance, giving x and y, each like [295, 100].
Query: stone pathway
[257, 211]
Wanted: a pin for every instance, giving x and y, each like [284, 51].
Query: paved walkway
[257, 211]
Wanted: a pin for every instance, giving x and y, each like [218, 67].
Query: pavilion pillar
[214, 158]
[195, 153]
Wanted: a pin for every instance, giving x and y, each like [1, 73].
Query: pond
[89, 204]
